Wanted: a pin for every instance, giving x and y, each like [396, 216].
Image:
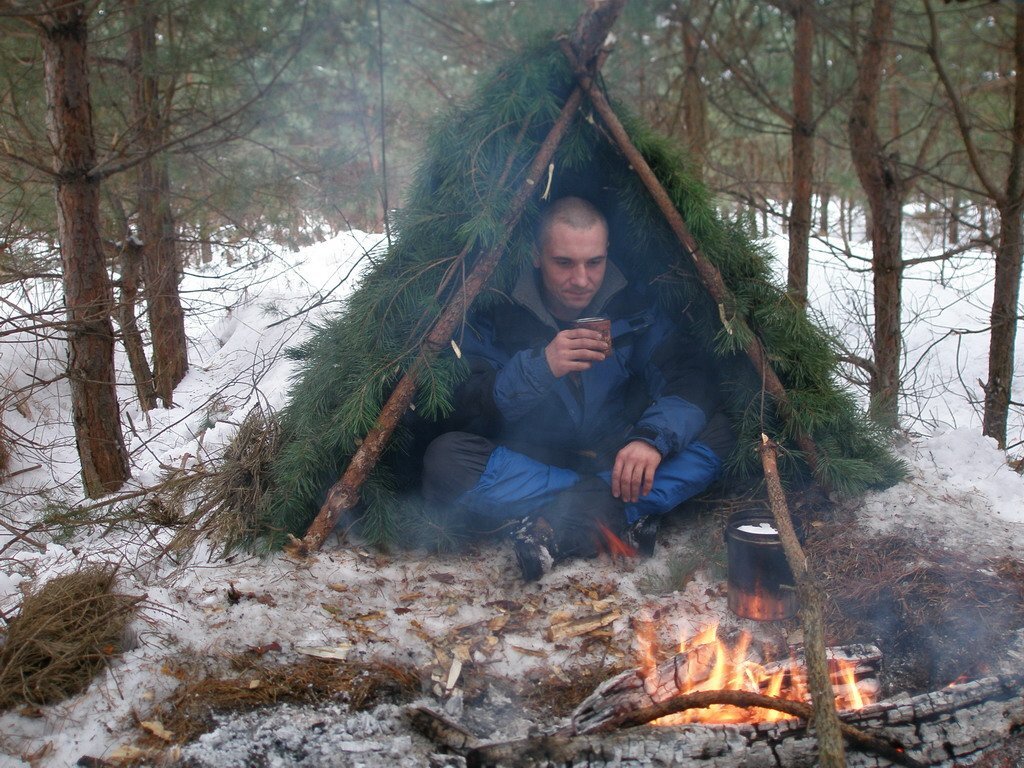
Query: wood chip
[581, 626]
[338, 652]
[156, 728]
[530, 652]
[453, 674]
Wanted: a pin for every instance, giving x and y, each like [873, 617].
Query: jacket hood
[527, 293]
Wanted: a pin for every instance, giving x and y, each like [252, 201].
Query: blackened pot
[761, 584]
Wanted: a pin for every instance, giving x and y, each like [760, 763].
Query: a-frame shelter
[544, 126]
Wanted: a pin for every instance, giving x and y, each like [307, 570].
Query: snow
[350, 602]
[761, 529]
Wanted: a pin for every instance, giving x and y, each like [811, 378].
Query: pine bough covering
[474, 162]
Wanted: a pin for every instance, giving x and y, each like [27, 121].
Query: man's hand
[633, 473]
[574, 350]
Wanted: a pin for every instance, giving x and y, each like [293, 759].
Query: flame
[731, 669]
[850, 696]
[615, 546]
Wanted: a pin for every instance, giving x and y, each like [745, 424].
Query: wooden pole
[826, 720]
[706, 271]
[591, 31]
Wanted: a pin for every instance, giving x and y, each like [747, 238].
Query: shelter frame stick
[344, 494]
[706, 271]
[826, 720]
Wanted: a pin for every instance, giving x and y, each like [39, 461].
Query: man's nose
[579, 275]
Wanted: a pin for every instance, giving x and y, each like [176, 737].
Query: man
[572, 440]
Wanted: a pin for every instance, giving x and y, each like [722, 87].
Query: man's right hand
[574, 350]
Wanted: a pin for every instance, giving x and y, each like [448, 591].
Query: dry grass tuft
[189, 712]
[64, 634]
[228, 498]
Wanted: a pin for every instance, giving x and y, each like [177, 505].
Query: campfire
[709, 663]
[730, 666]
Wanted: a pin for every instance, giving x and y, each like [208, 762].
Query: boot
[533, 542]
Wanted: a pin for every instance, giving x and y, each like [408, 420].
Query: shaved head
[574, 212]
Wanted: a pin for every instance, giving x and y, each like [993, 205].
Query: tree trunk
[131, 337]
[695, 108]
[1006, 294]
[955, 212]
[160, 258]
[884, 188]
[87, 291]
[802, 141]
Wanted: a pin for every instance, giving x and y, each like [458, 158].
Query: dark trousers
[494, 483]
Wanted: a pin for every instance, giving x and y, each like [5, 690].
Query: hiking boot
[642, 534]
[532, 542]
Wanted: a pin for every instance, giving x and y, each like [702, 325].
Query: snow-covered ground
[429, 610]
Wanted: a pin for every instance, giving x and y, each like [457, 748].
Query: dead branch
[826, 720]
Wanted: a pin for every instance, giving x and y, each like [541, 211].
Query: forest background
[177, 133]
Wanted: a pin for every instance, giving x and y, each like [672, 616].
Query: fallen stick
[442, 730]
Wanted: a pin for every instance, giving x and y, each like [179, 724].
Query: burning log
[944, 727]
[638, 688]
[635, 690]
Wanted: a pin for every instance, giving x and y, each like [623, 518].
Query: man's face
[571, 263]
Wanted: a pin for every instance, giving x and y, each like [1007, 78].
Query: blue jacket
[658, 386]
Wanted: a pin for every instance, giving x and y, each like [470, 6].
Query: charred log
[945, 727]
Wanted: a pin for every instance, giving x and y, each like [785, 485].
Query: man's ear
[536, 259]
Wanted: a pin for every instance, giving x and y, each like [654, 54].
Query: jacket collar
[527, 293]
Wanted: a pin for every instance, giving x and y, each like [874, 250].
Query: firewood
[745, 699]
[581, 626]
[636, 688]
[953, 724]
[441, 730]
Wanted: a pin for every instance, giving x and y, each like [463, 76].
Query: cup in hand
[602, 325]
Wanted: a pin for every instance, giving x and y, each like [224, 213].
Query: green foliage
[473, 164]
